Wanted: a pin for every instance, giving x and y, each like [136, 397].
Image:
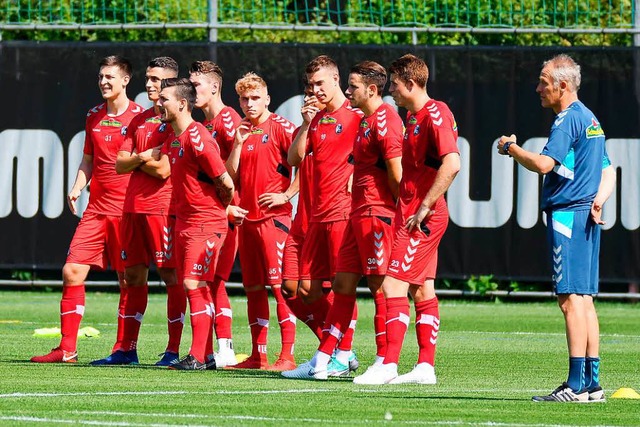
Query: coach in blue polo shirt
[579, 179]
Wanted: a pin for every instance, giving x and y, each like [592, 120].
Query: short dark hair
[372, 73]
[165, 62]
[410, 67]
[184, 89]
[118, 61]
[208, 68]
[322, 61]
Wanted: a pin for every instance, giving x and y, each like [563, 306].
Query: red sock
[71, 311]
[176, 308]
[201, 320]
[223, 316]
[258, 314]
[303, 312]
[379, 325]
[287, 322]
[134, 309]
[321, 307]
[346, 342]
[427, 326]
[338, 321]
[397, 323]
[122, 303]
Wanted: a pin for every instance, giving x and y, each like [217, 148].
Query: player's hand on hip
[236, 215]
[414, 221]
[271, 200]
[503, 140]
[71, 200]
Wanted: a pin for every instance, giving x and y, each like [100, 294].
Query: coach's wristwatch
[506, 146]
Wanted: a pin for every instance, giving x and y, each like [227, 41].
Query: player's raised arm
[538, 163]
[298, 148]
[233, 162]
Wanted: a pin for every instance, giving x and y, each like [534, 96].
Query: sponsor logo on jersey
[111, 123]
[209, 127]
[364, 124]
[153, 120]
[595, 130]
[455, 126]
[162, 127]
[328, 120]
[416, 130]
[413, 120]
[339, 128]
[265, 138]
[257, 131]
[175, 143]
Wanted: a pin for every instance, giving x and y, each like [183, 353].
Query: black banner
[495, 225]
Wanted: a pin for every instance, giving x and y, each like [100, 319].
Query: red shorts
[147, 238]
[96, 242]
[366, 246]
[292, 252]
[414, 257]
[320, 249]
[197, 250]
[262, 250]
[228, 254]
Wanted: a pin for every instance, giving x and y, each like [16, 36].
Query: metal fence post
[212, 11]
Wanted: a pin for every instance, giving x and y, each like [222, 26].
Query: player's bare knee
[74, 274]
[289, 288]
[168, 276]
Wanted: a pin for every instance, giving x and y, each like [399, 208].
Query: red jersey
[331, 138]
[146, 194]
[305, 192]
[264, 168]
[223, 129]
[431, 133]
[104, 135]
[195, 162]
[379, 139]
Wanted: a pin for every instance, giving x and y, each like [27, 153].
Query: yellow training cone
[241, 357]
[625, 393]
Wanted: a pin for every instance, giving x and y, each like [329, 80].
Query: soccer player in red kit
[293, 247]
[96, 242]
[366, 245]
[146, 229]
[430, 162]
[330, 135]
[258, 163]
[202, 191]
[221, 121]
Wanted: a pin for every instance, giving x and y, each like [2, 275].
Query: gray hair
[564, 69]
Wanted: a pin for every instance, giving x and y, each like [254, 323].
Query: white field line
[152, 393]
[380, 420]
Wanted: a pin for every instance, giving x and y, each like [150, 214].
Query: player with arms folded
[202, 191]
[221, 121]
[96, 242]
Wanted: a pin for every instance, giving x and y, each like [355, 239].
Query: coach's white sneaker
[377, 374]
[422, 373]
[305, 371]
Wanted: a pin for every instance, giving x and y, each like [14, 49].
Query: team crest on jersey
[111, 123]
[367, 132]
[339, 128]
[123, 255]
[162, 127]
[413, 120]
[265, 138]
[181, 152]
[123, 131]
[416, 130]
[257, 131]
[214, 133]
[595, 130]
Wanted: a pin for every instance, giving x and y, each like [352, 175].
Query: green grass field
[492, 357]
